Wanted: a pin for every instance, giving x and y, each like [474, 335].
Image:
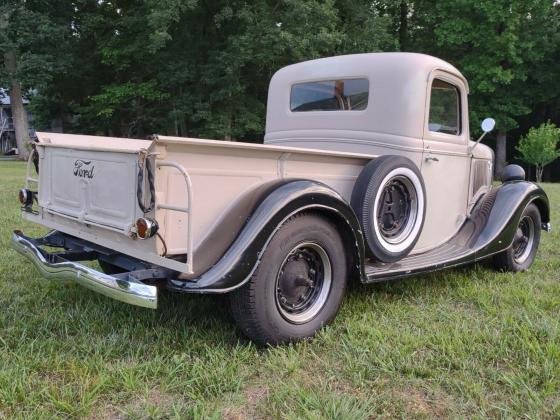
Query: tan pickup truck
[368, 173]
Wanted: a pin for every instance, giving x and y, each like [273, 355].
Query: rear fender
[241, 259]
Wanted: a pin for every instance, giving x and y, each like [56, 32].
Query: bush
[540, 146]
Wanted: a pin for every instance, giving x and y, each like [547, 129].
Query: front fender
[510, 202]
[239, 262]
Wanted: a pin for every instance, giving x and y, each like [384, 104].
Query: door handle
[431, 158]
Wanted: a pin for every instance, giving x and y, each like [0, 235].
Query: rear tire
[521, 254]
[298, 286]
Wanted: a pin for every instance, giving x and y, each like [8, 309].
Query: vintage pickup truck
[367, 173]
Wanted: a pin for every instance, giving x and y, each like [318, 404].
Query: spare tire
[389, 199]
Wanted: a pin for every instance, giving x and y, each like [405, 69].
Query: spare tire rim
[303, 283]
[397, 209]
[523, 240]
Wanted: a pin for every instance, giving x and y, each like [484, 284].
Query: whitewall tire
[390, 201]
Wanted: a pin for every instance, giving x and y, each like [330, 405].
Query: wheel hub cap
[396, 211]
[523, 240]
[297, 279]
[303, 283]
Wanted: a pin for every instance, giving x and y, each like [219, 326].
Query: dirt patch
[136, 406]
[155, 398]
[109, 413]
[418, 402]
[253, 396]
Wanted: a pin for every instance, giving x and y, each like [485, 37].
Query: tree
[540, 147]
[220, 82]
[202, 68]
[29, 38]
[16, 99]
[197, 68]
[494, 43]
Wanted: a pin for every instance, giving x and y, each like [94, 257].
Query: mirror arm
[477, 142]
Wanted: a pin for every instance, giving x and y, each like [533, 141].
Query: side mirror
[488, 125]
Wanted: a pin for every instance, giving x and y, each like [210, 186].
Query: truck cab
[408, 104]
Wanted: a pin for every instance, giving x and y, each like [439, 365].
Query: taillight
[146, 228]
[25, 197]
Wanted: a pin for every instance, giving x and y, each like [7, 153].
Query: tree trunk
[19, 114]
[227, 135]
[500, 153]
[539, 170]
[403, 26]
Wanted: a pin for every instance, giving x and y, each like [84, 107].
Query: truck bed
[88, 188]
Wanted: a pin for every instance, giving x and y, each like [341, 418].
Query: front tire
[521, 254]
[298, 285]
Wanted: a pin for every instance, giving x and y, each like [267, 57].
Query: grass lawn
[461, 343]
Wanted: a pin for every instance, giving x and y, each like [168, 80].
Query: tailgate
[92, 184]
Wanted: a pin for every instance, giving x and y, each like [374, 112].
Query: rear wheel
[521, 254]
[298, 285]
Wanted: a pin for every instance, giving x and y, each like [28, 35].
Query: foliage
[498, 46]
[540, 146]
[209, 64]
[193, 68]
[35, 31]
[30, 33]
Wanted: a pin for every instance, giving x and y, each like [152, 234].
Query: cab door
[445, 160]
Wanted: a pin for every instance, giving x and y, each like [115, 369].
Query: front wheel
[298, 285]
[521, 254]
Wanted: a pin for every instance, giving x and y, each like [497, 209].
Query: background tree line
[201, 67]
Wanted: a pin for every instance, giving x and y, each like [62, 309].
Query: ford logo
[82, 169]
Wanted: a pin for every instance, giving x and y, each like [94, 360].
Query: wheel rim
[303, 283]
[523, 240]
[397, 210]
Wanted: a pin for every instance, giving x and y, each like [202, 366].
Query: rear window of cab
[330, 95]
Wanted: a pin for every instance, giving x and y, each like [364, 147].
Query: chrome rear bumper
[129, 291]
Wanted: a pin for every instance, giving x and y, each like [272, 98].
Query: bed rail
[187, 209]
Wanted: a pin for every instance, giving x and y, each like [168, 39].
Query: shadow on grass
[192, 320]
[198, 320]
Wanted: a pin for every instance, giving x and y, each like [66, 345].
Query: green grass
[462, 343]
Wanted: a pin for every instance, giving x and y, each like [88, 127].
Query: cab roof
[397, 93]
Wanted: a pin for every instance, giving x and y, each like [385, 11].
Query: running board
[461, 249]
[444, 256]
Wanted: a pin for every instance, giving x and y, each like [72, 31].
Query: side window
[445, 108]
[330, 95]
